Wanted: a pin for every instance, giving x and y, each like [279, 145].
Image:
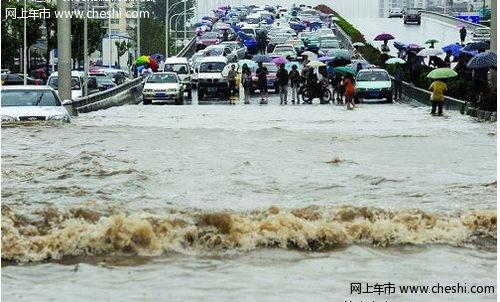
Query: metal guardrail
[119, 95]
[189, 49]
[449, 19]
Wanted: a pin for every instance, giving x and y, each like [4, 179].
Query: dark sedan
[15, 79]
[412, 16]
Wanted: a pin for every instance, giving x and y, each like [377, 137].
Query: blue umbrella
[158, 57]
[207, 22]
[231, 14]
[483, 60]
[243, 36]
[269, 21]
[400, 45]
[471, 53]
[205, 18]
[198, 24]
[455, 49]
[288, 66]
[325, 59]
[224, 19]
[262, 58]
[298, 26]
[236, 27]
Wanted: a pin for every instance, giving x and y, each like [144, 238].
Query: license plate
[270, 84]
[160, 95]
[373, 94]
[212, 89]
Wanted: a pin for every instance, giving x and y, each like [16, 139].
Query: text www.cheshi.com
[391, 288]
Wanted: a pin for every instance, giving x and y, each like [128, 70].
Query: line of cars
[38, 102]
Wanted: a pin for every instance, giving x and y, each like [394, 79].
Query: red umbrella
[383, 37]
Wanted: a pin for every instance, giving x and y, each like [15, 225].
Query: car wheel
[200, 96]
[389, 99]
[147, 102]
[190, 93]
[418, 23]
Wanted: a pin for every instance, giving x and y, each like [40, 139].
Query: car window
[177, 68]
[29, 98]
[75, 83]
[162, 78]
[372, 77]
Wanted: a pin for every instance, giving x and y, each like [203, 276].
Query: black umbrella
[477, 45]
[337, 62]
[483, 60]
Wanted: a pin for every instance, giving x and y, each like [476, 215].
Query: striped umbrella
[483, 60]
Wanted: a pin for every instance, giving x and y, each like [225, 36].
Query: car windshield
[212, 66]
[278, 40]
[271, 68]
[412, 12]
[162, 78]
[283, 48]
[210, 36]
[248, 31]
[372, 77]
[29, 98]
[252, 21]
[482, 31]
[177, 68]
[54, 83]
[103, 80]
[330, 44]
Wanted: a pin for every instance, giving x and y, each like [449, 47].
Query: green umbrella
[250, 63]
[334, 18]
[431, 41]
[344, 70]
[442, 73]
[395, 60]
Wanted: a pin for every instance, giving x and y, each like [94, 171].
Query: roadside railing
[449, 19]
[127, 92]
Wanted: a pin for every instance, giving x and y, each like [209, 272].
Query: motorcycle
[308, 93]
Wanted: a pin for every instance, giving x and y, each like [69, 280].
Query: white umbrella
[310, 55]
[429, 52]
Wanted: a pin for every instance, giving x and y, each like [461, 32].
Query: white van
[182, 68]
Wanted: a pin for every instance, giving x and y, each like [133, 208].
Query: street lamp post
[167, 21]
[177, 15]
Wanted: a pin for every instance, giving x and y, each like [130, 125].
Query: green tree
[13, 32]
[122, 47]
[95, 33]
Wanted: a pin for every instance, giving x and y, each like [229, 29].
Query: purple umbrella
[223, 28]
[279, 61]
[383, 37]
[461, 25]
[414, 46]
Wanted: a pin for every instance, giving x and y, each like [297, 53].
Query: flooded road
[247, 203]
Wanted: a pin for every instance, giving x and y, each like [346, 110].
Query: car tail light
[37, 83]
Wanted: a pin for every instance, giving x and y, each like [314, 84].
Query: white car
[396, 13]
[32, 103]
[482, 34]
[162, 86]
[286, 51]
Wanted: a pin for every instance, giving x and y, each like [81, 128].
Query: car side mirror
[67, 102]
[101, 88]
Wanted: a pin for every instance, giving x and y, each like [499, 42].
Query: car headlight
[60, 118]
[147, 90]
[7, 118]
[172, 90]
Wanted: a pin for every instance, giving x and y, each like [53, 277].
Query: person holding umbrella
[384, 54]
[282, 77]
[262, 73]
[398, 82]
[438, 88]
[349, 90]
[463, 34]
[447, 59]
[294, 81]
[246, 82]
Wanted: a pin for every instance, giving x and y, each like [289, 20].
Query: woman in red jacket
[349, 91]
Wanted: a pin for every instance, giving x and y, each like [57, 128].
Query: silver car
[32, 103]
[238, 48]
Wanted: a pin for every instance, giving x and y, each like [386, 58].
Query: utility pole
[64, 52]
[85, 51]
[138, 27]
[493, 40]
